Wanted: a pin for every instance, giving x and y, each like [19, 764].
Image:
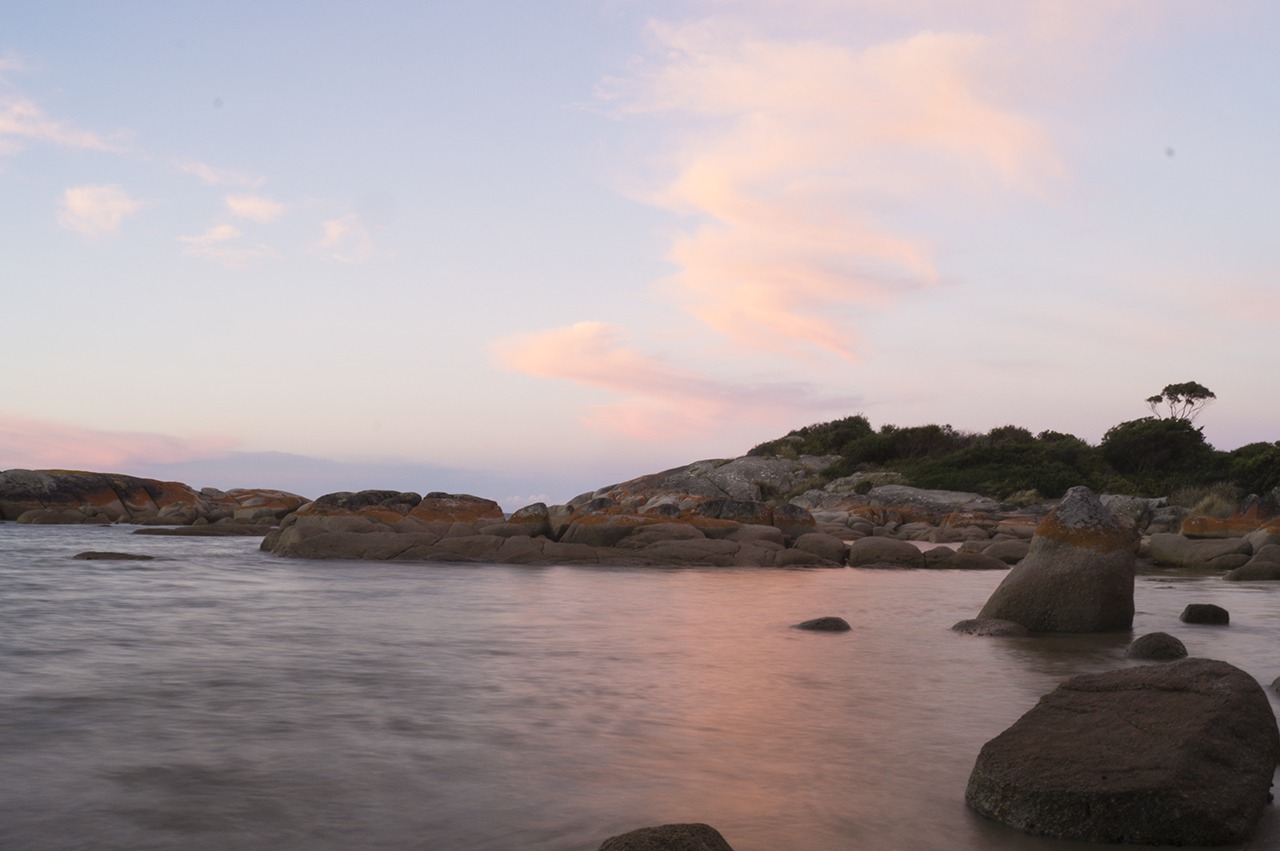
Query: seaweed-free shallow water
[222, 698]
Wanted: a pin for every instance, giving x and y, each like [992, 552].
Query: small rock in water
[827, 624]
[108, 556]
[1156, 646]
[668, 837]
[1206, 613]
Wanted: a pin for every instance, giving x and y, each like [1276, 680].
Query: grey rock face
[1077, 575]
[1172, 754]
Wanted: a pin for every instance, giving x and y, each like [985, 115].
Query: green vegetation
[1151, 456]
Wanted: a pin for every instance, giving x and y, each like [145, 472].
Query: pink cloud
[34, 444]
[96, 210]
[789, 152]
[655, 396]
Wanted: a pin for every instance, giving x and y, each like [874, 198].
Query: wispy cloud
[788, 154]
[654, 397]
[215, 244]
[36, 444]
[214, 176]
[95, 210]
[255, 207]
[22, 119]
[345, 240]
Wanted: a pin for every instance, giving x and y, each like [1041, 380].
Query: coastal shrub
[1160, 454]
[1255, 467]
[828, 438]
[1147, 457]
[1218, 499]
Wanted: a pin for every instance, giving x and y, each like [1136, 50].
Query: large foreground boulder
[1077, 575]
[1180, 753]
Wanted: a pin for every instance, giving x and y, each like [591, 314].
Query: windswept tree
[1184, 401]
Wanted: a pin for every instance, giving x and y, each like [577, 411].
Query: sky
[526, 250]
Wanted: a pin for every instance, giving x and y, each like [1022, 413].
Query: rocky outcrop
[67, 496]
[1078, 573]
[386, 525]
[668, 837]
[749, 478]
[1180, 753]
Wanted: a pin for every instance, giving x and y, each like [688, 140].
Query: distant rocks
[71, 497]
[1174, 754]
[1077, 576]
[381, 525]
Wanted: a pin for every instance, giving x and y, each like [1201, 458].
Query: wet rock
[885, 552]
[1205, 613]
[825, 624]
[1174, 754]
[668, 837]
[1009, 551]
[1078, 573]
[1156, 646]
[1263, 566]
[1177, 550]
[827, 547]
[990, 627]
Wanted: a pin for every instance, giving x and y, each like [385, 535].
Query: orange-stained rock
[1078, 573]
[457, 508]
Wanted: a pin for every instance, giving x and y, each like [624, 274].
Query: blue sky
[524, 250]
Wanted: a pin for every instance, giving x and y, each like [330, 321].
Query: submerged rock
[669, 837]
[825, 624]
[992, 628]
[1078, 573]
[1174, 754]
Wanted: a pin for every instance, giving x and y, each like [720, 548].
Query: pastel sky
[525, 250]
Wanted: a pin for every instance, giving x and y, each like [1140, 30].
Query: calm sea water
[222, 698]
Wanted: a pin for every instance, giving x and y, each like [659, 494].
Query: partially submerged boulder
[668, 837]
[1156, 646]
[1078, 573]
[1205, 613]
[1173, 754]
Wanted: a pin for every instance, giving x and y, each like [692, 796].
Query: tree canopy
[1184, 401]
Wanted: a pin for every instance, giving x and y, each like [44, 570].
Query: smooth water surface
[222, 698]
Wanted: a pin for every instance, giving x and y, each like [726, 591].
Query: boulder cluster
[74, 497]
